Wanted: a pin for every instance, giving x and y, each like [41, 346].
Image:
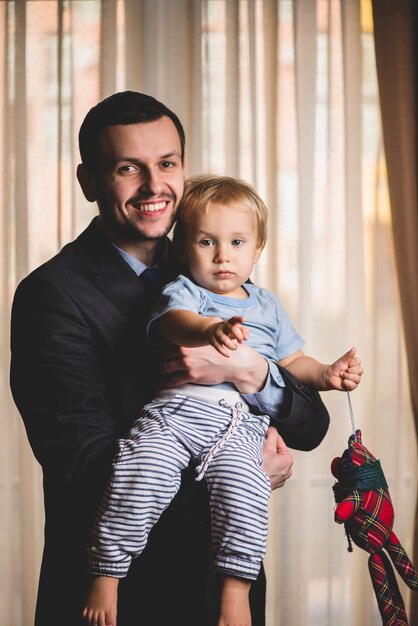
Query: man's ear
[87, 183]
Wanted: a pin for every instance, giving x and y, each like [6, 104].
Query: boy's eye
[206, 243]
[237, 242]
[167, 164]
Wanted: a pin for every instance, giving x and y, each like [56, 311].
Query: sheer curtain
[284, 94]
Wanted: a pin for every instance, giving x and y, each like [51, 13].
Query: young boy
[219, 235]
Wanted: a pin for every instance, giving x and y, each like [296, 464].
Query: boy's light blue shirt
[268, 399]
[271, 332]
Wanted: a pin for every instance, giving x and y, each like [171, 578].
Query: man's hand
[245, 368]
[277, 459]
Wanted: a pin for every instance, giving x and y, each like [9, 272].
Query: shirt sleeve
[269, 399]
[288, 340]
[180, 294]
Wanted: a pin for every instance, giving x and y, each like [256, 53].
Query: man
[82, 368]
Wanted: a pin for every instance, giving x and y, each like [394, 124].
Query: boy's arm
[192, 330]
[343, 375]
[297, 411]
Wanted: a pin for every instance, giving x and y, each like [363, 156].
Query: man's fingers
[171, 366]
[222, 349]
[274, 441]
[271, 438]
[278, 461]
[280, 444]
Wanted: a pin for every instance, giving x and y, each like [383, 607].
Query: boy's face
[220, 248]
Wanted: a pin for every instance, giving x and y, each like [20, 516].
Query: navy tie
[151, 279]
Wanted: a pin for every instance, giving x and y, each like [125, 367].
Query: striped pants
[146, 477]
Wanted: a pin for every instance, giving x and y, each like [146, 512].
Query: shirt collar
[135, 264]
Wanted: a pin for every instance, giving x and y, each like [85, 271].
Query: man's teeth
[149, 208]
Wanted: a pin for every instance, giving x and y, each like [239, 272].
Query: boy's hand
[345, 374]
[225, 335]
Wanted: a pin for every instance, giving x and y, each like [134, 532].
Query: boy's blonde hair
[203, 191]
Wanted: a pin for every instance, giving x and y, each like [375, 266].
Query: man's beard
[130, 230]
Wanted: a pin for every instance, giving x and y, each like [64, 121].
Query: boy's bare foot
[101, 602]
[235, 604]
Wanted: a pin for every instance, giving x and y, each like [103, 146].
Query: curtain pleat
[20, 145]
[252, 94]
[354, 261]
[194, 93]
[25, 468]
[60, 88]
[268, 141]
[354, 244]
[305, 71]
[25, 496]
[232, 87]
[108, 48]
[9, 518]
[133, 40]
[396, 32]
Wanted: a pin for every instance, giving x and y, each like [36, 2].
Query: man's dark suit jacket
[81, 370]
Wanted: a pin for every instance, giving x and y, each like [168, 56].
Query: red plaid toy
[365, 509]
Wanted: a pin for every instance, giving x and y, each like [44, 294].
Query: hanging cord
[350, 407]
[353, 426]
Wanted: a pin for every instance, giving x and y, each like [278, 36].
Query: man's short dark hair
[125, 107]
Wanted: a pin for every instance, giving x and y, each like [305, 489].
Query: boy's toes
[110, 619]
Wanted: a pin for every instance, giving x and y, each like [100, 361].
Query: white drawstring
[236, 411]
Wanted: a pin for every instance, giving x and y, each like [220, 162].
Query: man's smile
[151, 206]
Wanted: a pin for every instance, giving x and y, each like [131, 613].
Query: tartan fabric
[368, 527]
[387, 592]
[402, 562]
[368, 516]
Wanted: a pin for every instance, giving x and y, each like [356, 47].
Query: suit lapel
[113, 275]
[109, 271]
